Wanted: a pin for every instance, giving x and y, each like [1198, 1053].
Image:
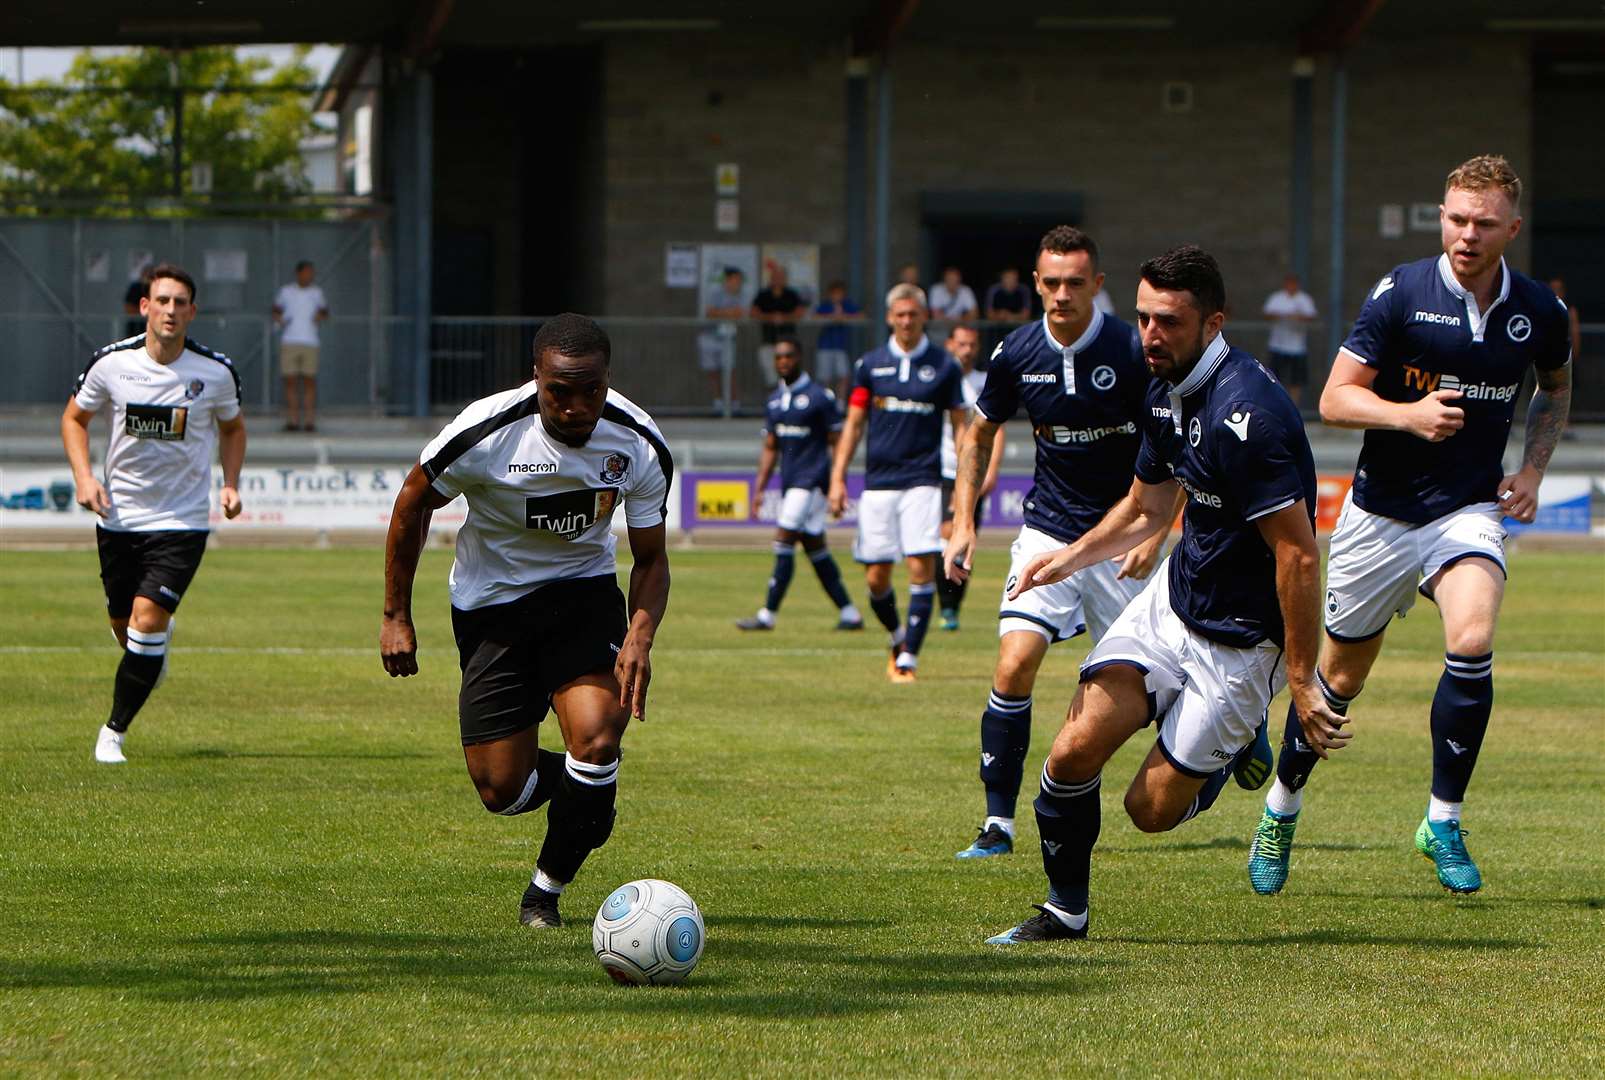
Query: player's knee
[1472, 638]
[1016, 672]
[498, 796]
[1148, 817]
[595, 748]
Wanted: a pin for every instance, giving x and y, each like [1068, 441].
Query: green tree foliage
[106, 131]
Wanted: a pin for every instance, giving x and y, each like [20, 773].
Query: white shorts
[1378, 563]
[1093, 597]
[1208, 698]
[802, 510]
[895, 524]
[832, 364]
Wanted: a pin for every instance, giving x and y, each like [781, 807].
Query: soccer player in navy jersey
[901, 391]
[1080, 377]
[802, 422]
[1431, 371]
[1236, 613]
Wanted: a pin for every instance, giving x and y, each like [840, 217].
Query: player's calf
[144, 655]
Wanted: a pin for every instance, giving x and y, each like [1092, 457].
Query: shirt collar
[1213, 355]
[796, 386]
[1080, 344]
[905, 359]
[1479, 319]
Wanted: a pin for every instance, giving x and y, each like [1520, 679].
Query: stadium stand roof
[419, 26]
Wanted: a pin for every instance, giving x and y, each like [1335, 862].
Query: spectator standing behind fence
[716, 346]
[1101, 301]
[777, 309]
[1290, 310]
[138, 288]
[951, 299]
[297, 311]
[1008, 300]
[1557, 286]
[908, 274]
[833, 356]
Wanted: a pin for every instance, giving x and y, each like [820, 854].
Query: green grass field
[293, 875]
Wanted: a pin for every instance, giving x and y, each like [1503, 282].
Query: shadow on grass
[1437, 896]
[1334, 936]
[553, 973]
[1226, 843]
[214, 752]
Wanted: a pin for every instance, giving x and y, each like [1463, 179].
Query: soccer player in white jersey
[1431, 371]
[536, 609]
[170, 401]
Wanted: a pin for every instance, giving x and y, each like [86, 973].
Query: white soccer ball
[648, 931]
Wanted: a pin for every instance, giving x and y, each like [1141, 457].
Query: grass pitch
[293, 875]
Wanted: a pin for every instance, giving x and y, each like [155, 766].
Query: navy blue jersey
[1234, 440]
[801, 417]
[906, 396]
[1085, 401]
[1420, 331]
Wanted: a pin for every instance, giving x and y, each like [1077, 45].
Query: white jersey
[163, 431]
[1291, 338]
[971, 386]
[300, 306]
[540, 510]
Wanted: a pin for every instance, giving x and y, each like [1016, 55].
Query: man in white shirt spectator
[297, 311]
[951, 299]
[1290, 311]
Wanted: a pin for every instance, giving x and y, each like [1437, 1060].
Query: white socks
[541, 881]
[1438, 810]
[1004, 823]
[1283, 800]
[1074, 922]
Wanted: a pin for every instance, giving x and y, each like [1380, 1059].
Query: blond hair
[1483, 172]
[905, 291]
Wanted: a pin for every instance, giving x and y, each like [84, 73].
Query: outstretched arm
[1146, 509]
[416, 503]
[1546, 420]
[649, 599]
[1291, 538]
[976, 453]
[90, 494]
[846, 444]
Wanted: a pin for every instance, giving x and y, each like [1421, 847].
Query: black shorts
[156, 565]
[948, 487]
[1290, 369]
[516, 655]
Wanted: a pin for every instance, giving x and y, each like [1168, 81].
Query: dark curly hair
[569, 334]
[1063, 239]
[1188, 268]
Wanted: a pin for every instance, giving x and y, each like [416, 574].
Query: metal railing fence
[673, 366]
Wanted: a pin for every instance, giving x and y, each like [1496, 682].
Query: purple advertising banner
[722, 499]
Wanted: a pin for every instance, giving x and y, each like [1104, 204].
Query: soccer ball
[648, 931]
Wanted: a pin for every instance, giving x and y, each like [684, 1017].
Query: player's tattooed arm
[416, 503]
[1546, 420]
[1291, 539]
[649, 599]
[976, 446]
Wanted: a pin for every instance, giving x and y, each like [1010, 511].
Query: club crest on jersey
[1520, 328]
[800, 401]
[615, 468]
[194, 390]
[1195, 431]
[927, 373]
[1331, 602]
[165, 423]
[1103, 377]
